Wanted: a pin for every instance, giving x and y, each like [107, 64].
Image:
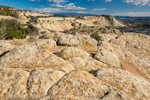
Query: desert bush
[31, 30]
[10, 29]
[18, 33]
[43, 37]
[96, 37]
[72, 32]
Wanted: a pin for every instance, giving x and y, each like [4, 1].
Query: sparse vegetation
[93, 72]
[138, 25]
[59, 54]
[10, 29]
[44, 37]
[70, 32]
[61, 16]
[7, 12]
[96, 36]
[31, 30]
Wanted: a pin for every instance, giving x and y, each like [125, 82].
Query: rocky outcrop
[40, 80]
[135, 86]
[132, 48]
[13, 83]
[116, 67]
[67, 23]
[73, 52]
[68, 40]
[5, 46]
[108, 57]
[87, 40]
[29, 55]
[80, 85]
[21, 84]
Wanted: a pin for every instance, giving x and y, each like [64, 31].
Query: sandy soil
[131, 68]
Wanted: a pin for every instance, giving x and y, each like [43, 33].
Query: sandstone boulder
[30, 55]
[46, 43]
[57, 63]
[40, 80]
[108, 57]
[25, 84]
[86, 64]
[13, 84]
[87, 40]
[73, 52]
[68, 40]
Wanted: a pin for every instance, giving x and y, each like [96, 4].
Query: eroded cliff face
[66, 23]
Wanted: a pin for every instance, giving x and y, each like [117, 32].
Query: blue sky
[113, 7]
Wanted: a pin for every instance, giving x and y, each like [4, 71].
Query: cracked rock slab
[80, 85]
[136, 86]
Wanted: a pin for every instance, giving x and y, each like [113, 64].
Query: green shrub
[43, 37]
[96, 36]
[10, 29]
[70, 32]
[31, 30]
[18, 33]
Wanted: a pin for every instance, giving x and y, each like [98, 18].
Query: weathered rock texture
[135, 86]
[5, 46]
[131, 48]
[117, 67]
[108, 57]
[69, 40]
[67, 23]
[80, 85]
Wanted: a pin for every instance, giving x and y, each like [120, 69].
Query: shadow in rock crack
[3, 53]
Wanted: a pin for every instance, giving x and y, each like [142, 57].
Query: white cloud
[58, 1]
[138, 2]
[134, 2]
[139, 14]
[69, 6]
[97, 10]
[102, 9]
[48, 9]
[81, 12]
[108, 0]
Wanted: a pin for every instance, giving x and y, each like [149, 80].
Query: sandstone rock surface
[87, 40]
[80, 85]
[69, 40]
[5, 46]
[74, 52]
[79, 68]
[30, 55]
[108, 57]
[13, 83]
[135, 86]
